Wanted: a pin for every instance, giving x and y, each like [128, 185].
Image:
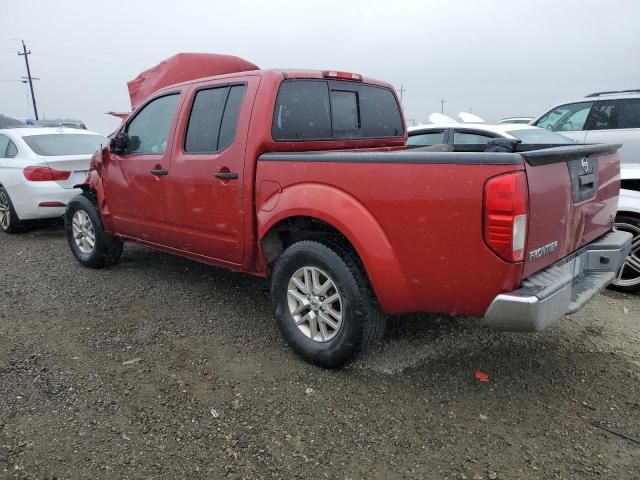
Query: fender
[93, 186]
[350, 217]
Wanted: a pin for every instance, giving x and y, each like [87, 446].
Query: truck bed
[416, 217]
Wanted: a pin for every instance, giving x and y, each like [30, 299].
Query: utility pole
[442, 102]
[401, 91]
[26, 60]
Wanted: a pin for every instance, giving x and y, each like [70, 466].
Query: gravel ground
[160, 367]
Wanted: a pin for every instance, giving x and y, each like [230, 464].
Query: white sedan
[460, 135]
[38, 168]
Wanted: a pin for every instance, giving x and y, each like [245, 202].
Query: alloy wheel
[629, 274]
[83, 231]
[315, 304]
[5, 211]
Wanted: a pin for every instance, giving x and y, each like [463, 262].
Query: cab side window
[615, 114]
[149, 129]
[566, 118]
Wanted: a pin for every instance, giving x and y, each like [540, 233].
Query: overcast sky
[498, 58]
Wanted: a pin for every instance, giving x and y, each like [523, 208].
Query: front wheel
[323, 303]
[628, 278]
[91, 245]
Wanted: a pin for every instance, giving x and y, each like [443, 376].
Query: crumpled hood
[181, 68]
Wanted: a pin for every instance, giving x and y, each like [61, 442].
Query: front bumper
[560, 289]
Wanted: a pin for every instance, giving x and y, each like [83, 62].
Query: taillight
[505, 215]
[44, 174]
[342, 75]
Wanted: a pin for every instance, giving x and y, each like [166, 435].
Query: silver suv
[601, 117]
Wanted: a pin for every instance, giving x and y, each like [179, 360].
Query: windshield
[65, 144]
[540, 136]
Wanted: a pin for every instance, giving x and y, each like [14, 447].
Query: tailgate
[573, 198]
[78, 165]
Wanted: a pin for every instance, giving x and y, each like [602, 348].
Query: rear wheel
[628, 278]
[323, 303]
[9, 221]
[91, 245]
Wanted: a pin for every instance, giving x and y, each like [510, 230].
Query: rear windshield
[540, 136]
[64, 144]
[335, 110]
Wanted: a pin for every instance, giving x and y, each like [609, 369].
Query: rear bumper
[560, 289]
[28, 197]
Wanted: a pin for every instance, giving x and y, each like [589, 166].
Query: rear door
[617, 121]
[136, 182]
[207, 178]
[573, 197]
[569, 120]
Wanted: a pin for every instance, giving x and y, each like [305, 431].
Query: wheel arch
[305, 210]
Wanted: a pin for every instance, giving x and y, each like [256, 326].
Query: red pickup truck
[303, 177]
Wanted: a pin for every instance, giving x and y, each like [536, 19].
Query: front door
[136, 182]
[207, 177]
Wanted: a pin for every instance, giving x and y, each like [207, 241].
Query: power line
[29, 78]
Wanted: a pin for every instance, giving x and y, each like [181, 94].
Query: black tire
[106, 249]
[11, 223]
[630, 281]
[362, 319]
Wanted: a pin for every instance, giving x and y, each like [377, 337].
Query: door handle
[227, 175]
[159, 172]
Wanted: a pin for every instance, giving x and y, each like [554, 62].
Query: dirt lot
[163, 368]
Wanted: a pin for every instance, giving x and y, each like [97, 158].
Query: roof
[29, 131]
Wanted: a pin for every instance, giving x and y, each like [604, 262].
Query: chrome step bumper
[561, 288]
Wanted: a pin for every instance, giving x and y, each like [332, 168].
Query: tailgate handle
[587, 180]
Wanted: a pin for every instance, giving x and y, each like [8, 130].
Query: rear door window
[213, 119]
[204, 122]
[426, 138]
[566, 118]
[12, 150]
[230, 117]
[4, 142]
[615, 114]
[326, 110]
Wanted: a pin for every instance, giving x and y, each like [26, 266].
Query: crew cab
[303, 177]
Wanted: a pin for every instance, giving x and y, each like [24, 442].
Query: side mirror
[119, 143]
